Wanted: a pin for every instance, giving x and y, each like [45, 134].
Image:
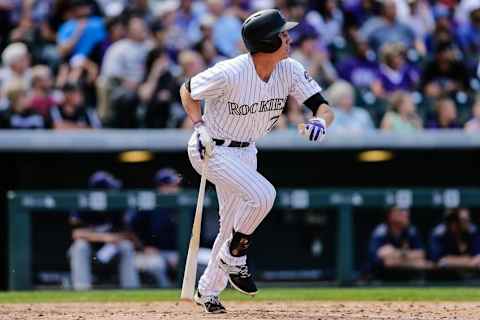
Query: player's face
[285, 48]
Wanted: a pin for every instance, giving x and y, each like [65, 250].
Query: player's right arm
[191, 106]
[209, 84]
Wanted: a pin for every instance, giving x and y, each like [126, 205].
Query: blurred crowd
[397, 251]
[395, 65]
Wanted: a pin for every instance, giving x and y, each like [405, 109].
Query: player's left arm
[320, 108]
[305, 89]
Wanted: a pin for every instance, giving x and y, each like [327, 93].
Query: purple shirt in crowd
[359, 72]
[405, 79]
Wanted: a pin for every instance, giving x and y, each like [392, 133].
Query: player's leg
[80, 268]
[247, 218]
[214, 280]
[229, 170]
[128, 273]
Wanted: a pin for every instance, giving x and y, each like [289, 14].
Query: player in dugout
[395, 250]
[455, 246]
[106, 233]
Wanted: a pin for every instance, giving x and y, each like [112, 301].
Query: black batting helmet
[260, 31]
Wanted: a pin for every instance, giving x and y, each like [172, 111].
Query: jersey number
[274, 121]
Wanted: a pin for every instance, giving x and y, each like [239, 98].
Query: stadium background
[430, 158]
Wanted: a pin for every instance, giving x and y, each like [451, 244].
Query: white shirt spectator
[355, 120]
[125, 59]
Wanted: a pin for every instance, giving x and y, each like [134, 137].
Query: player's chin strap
[239, 244]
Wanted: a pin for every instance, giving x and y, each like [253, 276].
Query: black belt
[235, 144]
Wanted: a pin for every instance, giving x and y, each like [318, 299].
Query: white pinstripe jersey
[239, 105]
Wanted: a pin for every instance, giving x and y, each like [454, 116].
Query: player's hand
[205, 143]
[315, 129]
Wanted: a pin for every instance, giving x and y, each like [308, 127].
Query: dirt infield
[245, 311]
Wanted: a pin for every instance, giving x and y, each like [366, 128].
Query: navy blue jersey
[408, 239]
[101, 221]
[443, 243]
[157, 228]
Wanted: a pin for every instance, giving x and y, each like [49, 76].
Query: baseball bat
[190, 274]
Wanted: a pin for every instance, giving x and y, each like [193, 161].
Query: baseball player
[244, 98]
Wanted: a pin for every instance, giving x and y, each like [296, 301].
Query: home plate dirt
[245, 311]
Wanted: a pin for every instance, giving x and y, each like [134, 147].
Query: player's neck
[264, 65]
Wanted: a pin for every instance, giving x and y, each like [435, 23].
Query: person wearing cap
[157, 232]
[455, 245]
[71, 113]
[395, 249]
[105, 233]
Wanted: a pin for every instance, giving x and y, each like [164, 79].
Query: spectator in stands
[206, 46]
[188, 19]
[473, 125]
[20, 115]
[124, 61]
[296, 11]
[446, 73]
[327, 21]
[402, 116]
[81, 33]
[348, 118]
[41, 95]
[191, 63]
[139, 8]
[446, 115]
[394, 72]
[468, 36]
[395, 249]
[159, 90]
[157, 231]
[315, 61]
[444, 29]
[123, 70]
[106, 233]
[116, 30]
[226, 29]
[420, 18]
[455, 243]
[361, 69]
[386, 28]
[16, 65]
[71, 113]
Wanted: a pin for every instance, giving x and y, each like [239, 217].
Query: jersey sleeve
[303, 85]
[208, 84]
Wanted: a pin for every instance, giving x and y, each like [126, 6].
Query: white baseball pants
[245, 197]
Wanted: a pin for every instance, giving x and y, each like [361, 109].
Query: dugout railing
[21, 205]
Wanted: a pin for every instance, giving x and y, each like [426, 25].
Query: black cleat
[211, 304]
[240, 278]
